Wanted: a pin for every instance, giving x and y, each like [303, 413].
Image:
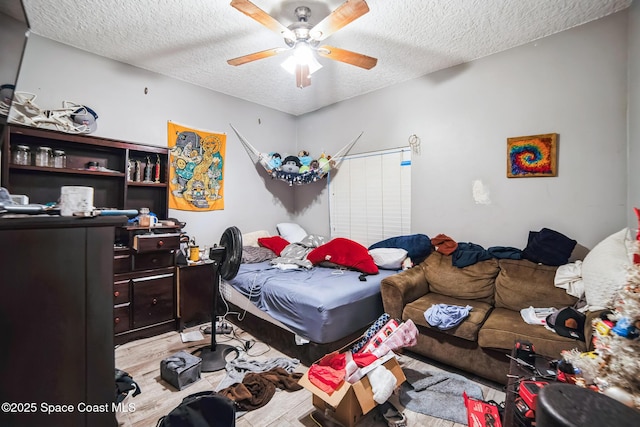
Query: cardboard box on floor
[350, 402]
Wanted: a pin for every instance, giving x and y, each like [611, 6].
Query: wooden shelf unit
[144, 282]
[112, 188]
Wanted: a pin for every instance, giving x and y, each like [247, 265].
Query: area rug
[438, 394]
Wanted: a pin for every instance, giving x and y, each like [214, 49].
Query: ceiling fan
[304, 39]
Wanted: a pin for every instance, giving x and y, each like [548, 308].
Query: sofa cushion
[474, 282]
[504, 327]
[467, 329]
[522, 284]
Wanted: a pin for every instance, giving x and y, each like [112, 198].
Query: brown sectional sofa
[497, 289]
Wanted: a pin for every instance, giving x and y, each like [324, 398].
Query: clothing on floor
[125, 385]
[444, 316]
[239, 367]
[257, 388]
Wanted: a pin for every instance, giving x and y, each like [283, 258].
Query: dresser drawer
[153, 299]
[156, 242]
[121, 318]
[153, 260]
[121, 292]
[121, 262]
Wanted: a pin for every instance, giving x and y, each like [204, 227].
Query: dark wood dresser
[56, 318]
[144, 284]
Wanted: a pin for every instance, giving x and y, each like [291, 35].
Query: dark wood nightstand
[196, 284]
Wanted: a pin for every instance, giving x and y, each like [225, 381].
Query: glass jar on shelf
[21, 155]
[59, 159]
[43, 156]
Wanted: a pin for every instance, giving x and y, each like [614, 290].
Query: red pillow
[275, 243]
[346, 253]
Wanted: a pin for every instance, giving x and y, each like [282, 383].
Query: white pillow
[604, 271]
[251, 239]
[291, 232]
[388, 258]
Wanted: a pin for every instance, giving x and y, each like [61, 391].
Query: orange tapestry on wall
[196, 170]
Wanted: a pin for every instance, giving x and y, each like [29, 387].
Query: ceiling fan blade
[255, 56]
[347, 12]
[303, 77]
[346, 56]
[254, 12]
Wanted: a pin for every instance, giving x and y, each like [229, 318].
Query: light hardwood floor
[141, 359]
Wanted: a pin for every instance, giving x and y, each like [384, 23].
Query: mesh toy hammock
[316, 169]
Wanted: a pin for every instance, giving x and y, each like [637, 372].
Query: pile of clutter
[613, 368]
[350, 382]
[365, 357]
[21, 109]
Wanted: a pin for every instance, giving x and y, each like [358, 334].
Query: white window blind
[370, 196]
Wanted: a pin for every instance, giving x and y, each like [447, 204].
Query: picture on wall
[196, 168]
[532, 156]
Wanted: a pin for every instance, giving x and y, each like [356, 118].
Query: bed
[304, 312]
[307, 296]
[319, 304]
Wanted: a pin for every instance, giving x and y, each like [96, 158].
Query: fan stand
[214, 356]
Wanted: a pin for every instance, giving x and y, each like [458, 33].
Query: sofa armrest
[402, 288]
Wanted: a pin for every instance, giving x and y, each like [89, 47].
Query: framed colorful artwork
[532, 156]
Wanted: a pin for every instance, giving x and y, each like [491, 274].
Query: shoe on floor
[392, 416]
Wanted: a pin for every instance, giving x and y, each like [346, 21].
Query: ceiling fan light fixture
[302, 55]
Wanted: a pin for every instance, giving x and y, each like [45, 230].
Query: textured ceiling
[191, 40]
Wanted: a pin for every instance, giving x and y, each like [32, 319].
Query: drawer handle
[160, 243]
[116, 320]
[155, 301]
[116, 294]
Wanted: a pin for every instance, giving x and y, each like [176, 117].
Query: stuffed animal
[274, 161]
[305, 158]
[324, 164]
[291, 164]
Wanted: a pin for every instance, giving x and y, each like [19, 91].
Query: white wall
[573, 83]
[56, 72]
[634, 114]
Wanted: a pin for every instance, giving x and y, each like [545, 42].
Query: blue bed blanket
[320, 304]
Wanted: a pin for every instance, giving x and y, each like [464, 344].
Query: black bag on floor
[203, 409]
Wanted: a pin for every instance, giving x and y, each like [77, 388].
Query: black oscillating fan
[226, 258]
